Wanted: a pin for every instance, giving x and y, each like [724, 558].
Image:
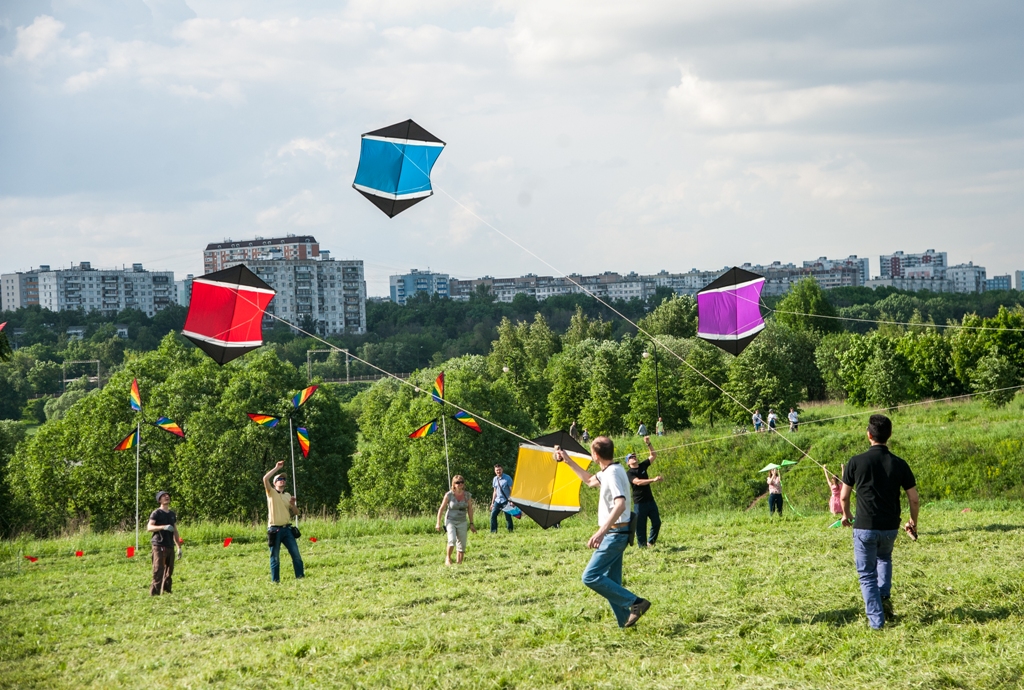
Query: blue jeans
[774, 503]
[604, 574]
[285, 536]
[647, 509]
[494, 518]
[872, 552]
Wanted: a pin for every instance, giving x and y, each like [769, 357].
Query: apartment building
[929, 264]
[967, 277]
[415, 282]
[106, 290]
[861, 265]
[219, 255]
[20, 289]
[998, 283]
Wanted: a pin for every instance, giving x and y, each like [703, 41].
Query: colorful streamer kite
[729, 310]
[394, 166]
[170, 426]
[425, 430]
[129, 441]
[264, 419]
[225, 314]
[134, 397]
[303, 436]
[437, 392]
[302, 396]
[468, 420]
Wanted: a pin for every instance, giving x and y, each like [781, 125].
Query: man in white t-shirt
[604, 572]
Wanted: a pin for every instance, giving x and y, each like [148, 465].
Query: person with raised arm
[280, 509]
[643, 498]
[163, 523]
[877, 476]
[604, 572]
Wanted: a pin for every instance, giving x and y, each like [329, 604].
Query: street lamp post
[657, 383]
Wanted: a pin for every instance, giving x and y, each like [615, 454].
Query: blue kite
[394, 166]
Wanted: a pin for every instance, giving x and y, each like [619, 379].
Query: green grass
[739, 602]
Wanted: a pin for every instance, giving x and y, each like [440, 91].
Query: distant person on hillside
[772, 420]
[877, 476]
[500, 497]
[459, 518]
[641, 430]
[756, 419]
[774, 492]
[794, 420]
[163, 523]
[643, 498]
[280, 509]
[604, 572]
[586, 436]
[835, 486]
[574, 431]
[659, 428]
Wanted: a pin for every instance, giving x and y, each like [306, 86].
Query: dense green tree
[643, 399]
[583, 328]
[676, 316]
[45, 377]
[828, 358]
[703, 380]
[520, 357]
[14, 389]
[566, 373]
[995, 379]
[11, 434]
[610, 370]
[853, 363]
[930, 354]
[805, 308]
[764, 376]
[888, 378]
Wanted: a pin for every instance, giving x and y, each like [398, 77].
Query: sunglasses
[460, 482]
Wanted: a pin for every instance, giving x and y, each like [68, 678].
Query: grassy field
[739, 602]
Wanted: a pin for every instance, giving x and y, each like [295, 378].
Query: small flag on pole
[437, 394]
[129, 441]
[425, 430]
[264, 419]
[303, 437]
[130, 552]
[134, 398]
[227, 542]
[302, 396]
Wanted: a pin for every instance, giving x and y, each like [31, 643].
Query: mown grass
[739, 602]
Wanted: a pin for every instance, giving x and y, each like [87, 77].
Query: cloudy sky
[601, 135]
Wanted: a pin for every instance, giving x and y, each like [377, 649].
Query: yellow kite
[546, 490]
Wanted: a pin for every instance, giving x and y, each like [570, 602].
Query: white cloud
[36, 40]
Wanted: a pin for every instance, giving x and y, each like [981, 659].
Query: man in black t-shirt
[877, 476]
[163, 523]
[643, 497]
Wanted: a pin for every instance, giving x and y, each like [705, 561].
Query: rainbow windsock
[134, 398]
[170, 426]
[468, 420]
[437, 394]
[264, 419]
[129, 441]
[303, 436]
[303, 395]
[425, 430]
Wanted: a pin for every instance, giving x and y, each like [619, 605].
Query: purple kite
[729, 310]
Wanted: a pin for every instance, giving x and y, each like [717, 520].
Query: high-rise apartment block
[103, 290]
[967, 277]
[930, 264]
[331, 294]
[220, 255]
[998, 283]
[19, 289]
[417, 282]
[825, 265]
[1018, 280]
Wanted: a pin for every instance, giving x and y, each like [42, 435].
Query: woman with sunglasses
[459, 504]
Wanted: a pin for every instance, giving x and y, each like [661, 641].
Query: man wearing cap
[280, 508]
[163, 523]
[604, 572]
[643, 497]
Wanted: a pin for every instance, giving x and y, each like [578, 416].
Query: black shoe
[638, 609]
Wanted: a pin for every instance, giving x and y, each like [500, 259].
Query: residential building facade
[913, 284]
[998, 283]
[967, 277]
[417, 282]
[861, 264]
[220, 255]
[183, 290]
[930, 264]
[106, 290]
[19, 289]
[1018, 280]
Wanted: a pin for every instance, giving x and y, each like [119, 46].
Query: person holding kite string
[774, 492]
[280, 509]
[835, 503]
[604, 572]
[459, 504]
[877, 476]
[643, 498]
[794, 420]
[500, 497]
[163, 523]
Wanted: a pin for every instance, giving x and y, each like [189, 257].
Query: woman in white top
[459, 518]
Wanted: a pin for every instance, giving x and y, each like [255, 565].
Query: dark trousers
[647, 509]
[163, 569]
[774, 503]
[494, 518]
[285, 536]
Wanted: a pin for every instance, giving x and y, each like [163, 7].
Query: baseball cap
[159, 494]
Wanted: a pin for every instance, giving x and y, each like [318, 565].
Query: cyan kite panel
[395, 164]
